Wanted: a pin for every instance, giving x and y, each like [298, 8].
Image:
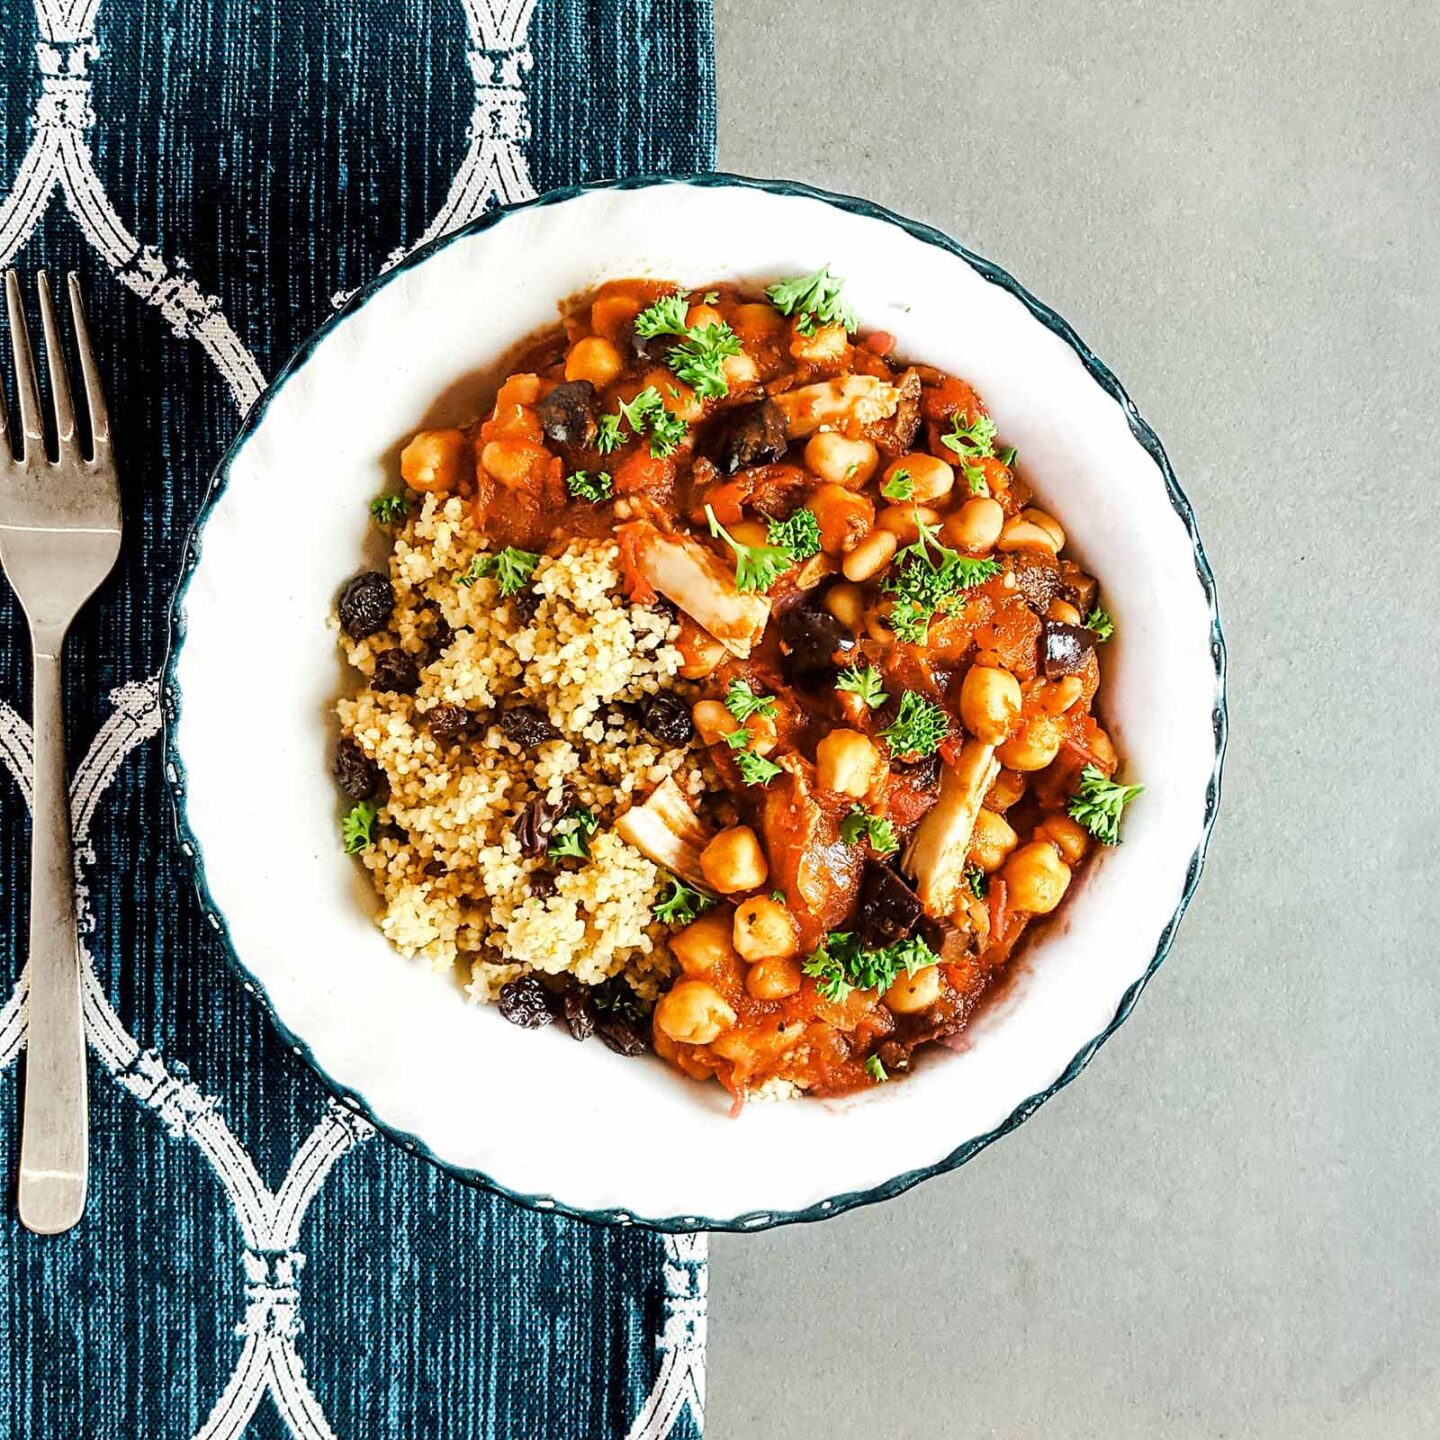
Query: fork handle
[54, 1143]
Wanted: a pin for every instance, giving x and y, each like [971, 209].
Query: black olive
[358, 775]
[1064, 649]
[527, 725]
[888, 909]
[1037, 578]
[813, 644]
[667, 718]
[525, 1002]
[751, 435]
[396, 672]
[449, 723]
[366, 604]
[567, 414]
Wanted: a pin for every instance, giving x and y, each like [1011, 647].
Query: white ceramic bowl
[253, 673]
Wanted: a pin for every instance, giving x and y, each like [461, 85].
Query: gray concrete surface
[1228, 1227]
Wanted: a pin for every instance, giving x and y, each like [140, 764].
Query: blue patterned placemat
[254, 1261]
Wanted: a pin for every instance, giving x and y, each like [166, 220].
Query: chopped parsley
[800, 534]
[755, 769]
[1099, 624]
[357, 829]
[978, 881]
[875, 1070]
[868, 684]
[570, 839]
[860, 825]
[926, 577]
[738, 739]
[1007, 455]
[841, 964]
[813, 299]
[975, 479]
[778, 896]
[970, 439]
[595, 488]
[918, 728]
[900, 486]
[757, 567]
[680, 904]
[511, 567]
[387, 509]
[711, 297]
[1098, 804]
[646, 412]
[665, 317]
[699, 359]
[742, 702]
[607, 434]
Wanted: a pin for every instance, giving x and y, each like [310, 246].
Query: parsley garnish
[570, 839]
[1007, 455]
[645, 412]
[357, 828]
[511, 567]
[711, 297]
[699, 359]
[927, 577]
[755, 769]
[970, 439]
[975, 479]
[868, 684]
[665, 317]
[978, 881]
[875, 1070]
[800, 534]
[919, 727]
[757, 567]
[1099, 624]
[681, 904]
[900, 486]
[387, 509]
[841, 964]
[742, 702]
[1098, 804]
[860, 825]
[595, 488]
[813, 299]
[778, 896]
[607, 434]
[738, 739]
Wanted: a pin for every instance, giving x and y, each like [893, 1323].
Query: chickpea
[704, 945]
[1048, 523]
[913, 993]
[976, 525]
[989, 702]
[764, 930]
[930, 477]
[870, 555]
[713, 722]
[847, 763]
[733, 861]
[839, 460]
[828, 345]
[1103, 750]
[844, 516]
[610, 314]
[991, 841]
[739, 370]
[1068, 836]
[1006, 791]
[431, 461]
[1036, 878]
[511, 461]
[699, 650]
[699, 315]
[1037, 744]
[773, 978]
[693, 1013]
[1062, 695]
[1063, 612]
[1020, 534]
[902, 520]
[595, 359]
[846, 603]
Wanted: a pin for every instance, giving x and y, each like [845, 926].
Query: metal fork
[59, 538]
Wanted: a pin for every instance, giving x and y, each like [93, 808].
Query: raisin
[620, 1035]
[542, 884]
[579, 1015]
[894, 1057]
[527, 725]
[536, 821]
[526, 1002]
[439, 641]
[396, 672]
[449, 723]
[357, 773]
[667, 718]
[366, 604]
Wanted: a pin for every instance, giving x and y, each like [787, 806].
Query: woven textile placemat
[254, 1260]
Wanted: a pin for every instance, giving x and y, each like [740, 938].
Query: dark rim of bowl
[174, 769]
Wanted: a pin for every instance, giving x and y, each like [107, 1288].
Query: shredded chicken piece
[941, 843]
[862, 399]
[693, 577]
[666, 830]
